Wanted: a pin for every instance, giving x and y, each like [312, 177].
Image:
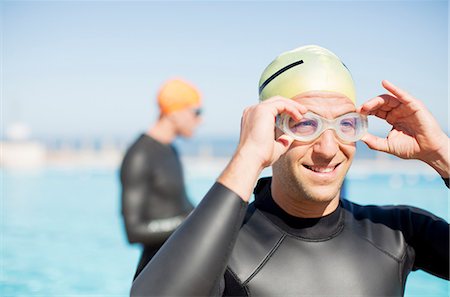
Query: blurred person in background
[300, 237]
[154, 199]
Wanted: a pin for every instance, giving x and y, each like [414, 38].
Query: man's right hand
[258, 147]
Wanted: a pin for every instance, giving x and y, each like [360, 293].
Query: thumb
[375, 142]
[282, 144]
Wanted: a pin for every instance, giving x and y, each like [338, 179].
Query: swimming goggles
[349, 127]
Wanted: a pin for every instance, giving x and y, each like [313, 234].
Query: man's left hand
[415, 132]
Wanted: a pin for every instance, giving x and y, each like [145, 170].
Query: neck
[302, 207]
[163, 131]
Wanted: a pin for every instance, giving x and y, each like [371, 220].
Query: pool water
[62, 234]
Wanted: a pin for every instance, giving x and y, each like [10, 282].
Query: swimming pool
[62, 234]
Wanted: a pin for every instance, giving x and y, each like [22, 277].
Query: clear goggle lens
[349, 127]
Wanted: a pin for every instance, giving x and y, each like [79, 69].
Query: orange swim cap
[176, 94]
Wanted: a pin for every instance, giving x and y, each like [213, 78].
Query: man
[154, 200]
[299, 237]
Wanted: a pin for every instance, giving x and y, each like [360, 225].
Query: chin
[322, 193]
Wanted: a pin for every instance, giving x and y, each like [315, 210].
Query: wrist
[241, 173]
[251, 157]
[440, 160]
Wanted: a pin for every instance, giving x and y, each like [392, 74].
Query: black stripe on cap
[273, 76]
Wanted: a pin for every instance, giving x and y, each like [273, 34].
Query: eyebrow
[273, 76]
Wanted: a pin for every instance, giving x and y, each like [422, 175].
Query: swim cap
[307, 68]
[176, 94]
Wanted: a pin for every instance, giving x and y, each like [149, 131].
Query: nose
[326, 146]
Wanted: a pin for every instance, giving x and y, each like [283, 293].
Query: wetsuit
[154, 200]
[225, 249]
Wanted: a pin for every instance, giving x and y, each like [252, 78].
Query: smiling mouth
[321, 169]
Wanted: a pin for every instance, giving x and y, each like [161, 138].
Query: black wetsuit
[225, 250]
[154, 200]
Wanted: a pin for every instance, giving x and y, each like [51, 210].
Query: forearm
[144, 225]
[154, 232]
[194, 258]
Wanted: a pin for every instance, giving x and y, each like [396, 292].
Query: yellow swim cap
[176, 94]
[307, 68]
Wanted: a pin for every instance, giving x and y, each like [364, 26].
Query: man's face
[186, 120]
[315, 171]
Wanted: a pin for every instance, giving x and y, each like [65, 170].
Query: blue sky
[92, 69]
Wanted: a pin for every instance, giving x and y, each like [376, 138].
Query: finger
[283, 105]
[381, 114]
[375, 142]
[292, 104]
[371, 105]
[383, 102]
[386, 107]
[391, 102]
[399, 93]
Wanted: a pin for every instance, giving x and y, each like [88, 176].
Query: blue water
[62, 235]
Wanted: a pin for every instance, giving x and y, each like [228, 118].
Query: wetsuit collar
[309, 228]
